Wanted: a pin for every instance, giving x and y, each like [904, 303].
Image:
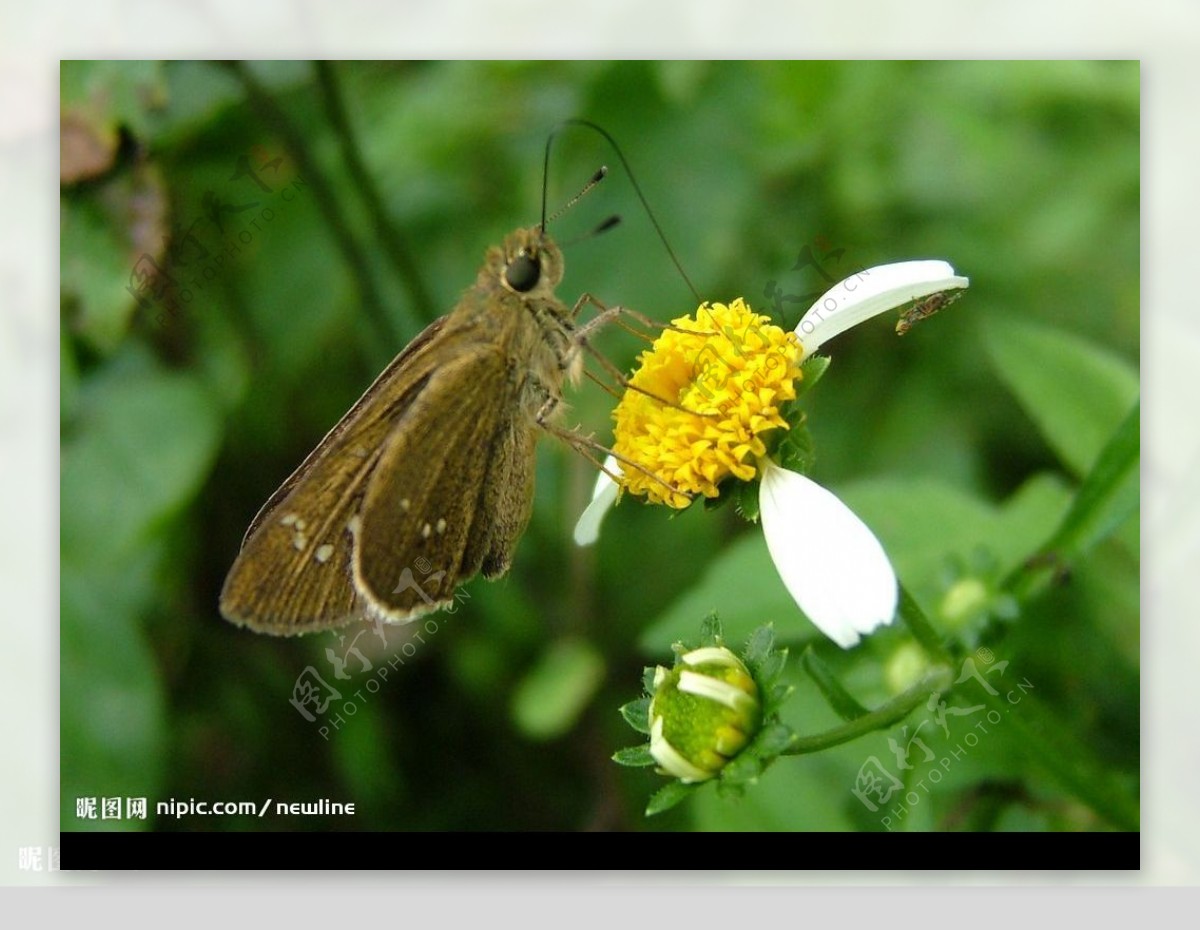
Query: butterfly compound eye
[522, 273]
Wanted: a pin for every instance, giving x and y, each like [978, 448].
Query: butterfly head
[530, 262]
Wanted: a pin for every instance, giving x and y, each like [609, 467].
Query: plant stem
[886, 715]
[272, 114]
[923, 632]
[389, 234]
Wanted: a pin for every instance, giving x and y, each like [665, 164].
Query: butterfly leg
[586, 445]
[606, 314]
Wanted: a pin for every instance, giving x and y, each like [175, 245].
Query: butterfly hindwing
[428, 519]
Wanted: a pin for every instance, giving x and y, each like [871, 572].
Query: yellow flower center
[730, 371]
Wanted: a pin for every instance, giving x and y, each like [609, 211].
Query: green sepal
[795, 450]
[730, 789]
[637, 714]
[759, 646]
[775, 738]
[745, 769]
[779, 694]
[710, 631]
[772, 667]
[668, 796]
[648, 679]
[634, 756]
[745, 499]
[811, 370]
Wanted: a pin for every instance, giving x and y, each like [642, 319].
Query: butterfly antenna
[588, 124]
[604, 227]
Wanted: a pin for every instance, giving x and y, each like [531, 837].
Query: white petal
[830, 562]
[715, 689]
[711, 655]
[869, 293]
[604, 495]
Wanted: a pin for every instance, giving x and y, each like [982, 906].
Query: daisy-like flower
[728, 381]
[726, 385]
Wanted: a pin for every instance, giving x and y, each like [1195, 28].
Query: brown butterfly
[428, 479]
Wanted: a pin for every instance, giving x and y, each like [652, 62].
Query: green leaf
[838, 697]
[637, 714]
[668, 796]
[96, 270]
[1108, 496]
[129, 464]
[1076, 392]
[634, 756]
[112, 713]
[557, 689]
[110, 94]
[922, 524]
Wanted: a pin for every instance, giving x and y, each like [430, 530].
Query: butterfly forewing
[301, 535]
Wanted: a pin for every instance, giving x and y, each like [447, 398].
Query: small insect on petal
[925, 308]
[871, 292]
[830, 562]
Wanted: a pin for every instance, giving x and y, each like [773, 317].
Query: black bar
[860, 852]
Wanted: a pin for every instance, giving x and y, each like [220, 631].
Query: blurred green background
[319, 215]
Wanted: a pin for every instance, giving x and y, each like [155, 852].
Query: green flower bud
[905, 667]
[966, 600]
[703, 712]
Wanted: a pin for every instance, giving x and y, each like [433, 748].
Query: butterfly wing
[431, 521]
[293, 574]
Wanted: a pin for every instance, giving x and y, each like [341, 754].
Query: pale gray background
[1162, 34]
